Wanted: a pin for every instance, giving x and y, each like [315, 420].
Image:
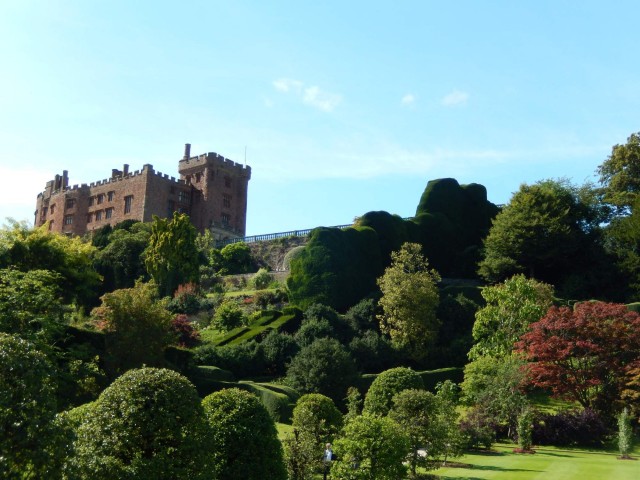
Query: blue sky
[343, 106]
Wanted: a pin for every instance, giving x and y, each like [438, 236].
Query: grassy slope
[548, 463]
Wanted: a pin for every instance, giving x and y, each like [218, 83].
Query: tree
[625, 433]
[278, 349]
[29, 443]
[495, 386]
[30, 304]
[244, 441]
[148, 423]
[25, 249]
[524, 429]
[510, 308]
[410, 300]
[371, 448]
[121, 260]
[312, 330]
[547, 231]
[379, 398]
[228, 316]
[316, 420]
[416, 411]
[261, 279]
[620, 173]
[172, 256]
[584, 354]
[233, 259]
[324, 367]
[138, 327]
[316, 414]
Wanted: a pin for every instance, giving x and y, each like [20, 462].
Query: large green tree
[28, 442]
[172, 255]
[620, 173]
[149, 423]
[244, 441]
[410, 300]
[24, 249]
[379, 398]
[137, 327]
[324, 367]
[371, 448]
[550, 231]
[510, 308]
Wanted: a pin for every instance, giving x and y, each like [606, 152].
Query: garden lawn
[548, 463]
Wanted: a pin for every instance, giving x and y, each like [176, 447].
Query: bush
[362, 316]
[478, 430]
[584, 428]
[186, 334]
[324, 367]
[261, 279]
[186, 299]
[372, 352]
[244, 443]
[27, 411]
[278, 350]
[317, 415]
[149, 423]
[312, 330]
[378, 400]
[228, 316]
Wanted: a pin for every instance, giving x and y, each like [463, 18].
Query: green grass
[548, 463]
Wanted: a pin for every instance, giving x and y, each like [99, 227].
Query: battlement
[212, 159]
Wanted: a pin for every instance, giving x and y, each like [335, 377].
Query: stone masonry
[211, 189]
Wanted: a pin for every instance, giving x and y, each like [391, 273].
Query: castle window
[91, 200]
[53, 207]
[226, 219]
[128, 200]
[100, 198]
[226, 200]
[89, 217]
[70, 203]
[198, 176]
[68, 219]
[227, 182]
[108, 213]
[171, 206]
[183, 197]
[98, 215]
[110, 196]
[51, 225]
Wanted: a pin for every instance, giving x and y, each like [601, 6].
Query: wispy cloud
[455, 98]
[408, 99]
[312, 95]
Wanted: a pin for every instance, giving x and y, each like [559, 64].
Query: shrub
[244, 443]
[317, 415]
[378, 400]
[278, 350]
[228, 316]
[372, 352]
[312, 330]
[186, 334]
[27, 411]
[583, 428]
[523, 428]
[244, 359]
[362, 316]
[186, 299]
[324, 367]
[261, 279]
[148, 423]
[478, 430]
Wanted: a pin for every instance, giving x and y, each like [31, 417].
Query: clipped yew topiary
[379, 398]
[244, 441]
[148, 423]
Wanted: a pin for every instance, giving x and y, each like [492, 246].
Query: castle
[211, 189]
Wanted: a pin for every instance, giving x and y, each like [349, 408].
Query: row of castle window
[108, 213]
[98, 214]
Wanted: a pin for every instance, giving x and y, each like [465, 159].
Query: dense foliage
[148, 424]
[243, 440]
[379, 398]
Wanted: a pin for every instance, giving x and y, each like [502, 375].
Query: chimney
[65, 179]
[125, 170]
[187, 151]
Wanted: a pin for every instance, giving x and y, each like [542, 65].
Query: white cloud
[455, 98]
[311, 95]
[287, 84]
[408, 99]
[325, 101]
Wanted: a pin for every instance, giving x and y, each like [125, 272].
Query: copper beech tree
[585, 354]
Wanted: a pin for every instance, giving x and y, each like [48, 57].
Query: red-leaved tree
[584, 354]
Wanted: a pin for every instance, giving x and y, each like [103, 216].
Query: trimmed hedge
[430, 378]
[279, 405]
